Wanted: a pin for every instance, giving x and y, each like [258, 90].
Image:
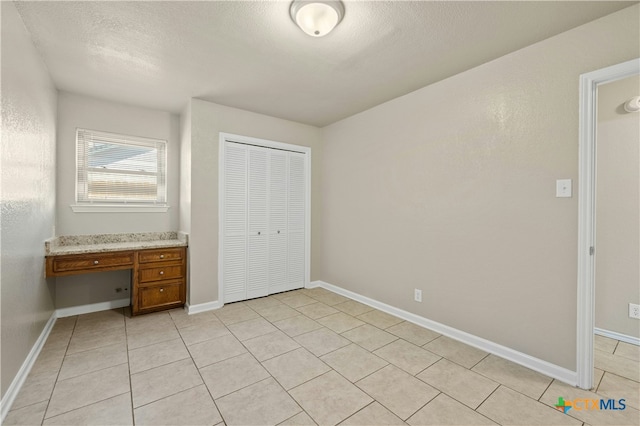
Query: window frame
[131, 205]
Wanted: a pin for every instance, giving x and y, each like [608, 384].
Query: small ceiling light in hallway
[317, 18]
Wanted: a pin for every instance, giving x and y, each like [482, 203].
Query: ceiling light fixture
[317, 17]
[632, 105]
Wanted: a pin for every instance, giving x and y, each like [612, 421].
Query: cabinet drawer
[89, 262]
[166, 272]
[160, 255]
[160, 296]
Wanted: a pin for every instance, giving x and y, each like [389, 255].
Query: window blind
[120, 169]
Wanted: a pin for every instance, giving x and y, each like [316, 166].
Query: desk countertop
[102, 243]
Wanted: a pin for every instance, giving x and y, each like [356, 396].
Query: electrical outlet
[634, 311]
[417, 295]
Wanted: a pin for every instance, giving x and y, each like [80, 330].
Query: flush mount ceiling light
[317, 17]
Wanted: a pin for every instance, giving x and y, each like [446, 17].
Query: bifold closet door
[258, 223]
[278, 199]
[264, 232]
[234, 256]
[297, 176]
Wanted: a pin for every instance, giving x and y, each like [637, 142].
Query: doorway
[589, 84]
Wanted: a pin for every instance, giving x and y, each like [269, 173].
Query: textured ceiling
[250, 55]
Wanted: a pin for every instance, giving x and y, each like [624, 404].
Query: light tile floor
[298, 358]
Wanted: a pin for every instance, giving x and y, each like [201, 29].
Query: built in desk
[157, 260]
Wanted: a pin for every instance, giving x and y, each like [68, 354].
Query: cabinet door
[296, 241]
[234, 268]
[278, 198]
[161, 296]
[258, 211]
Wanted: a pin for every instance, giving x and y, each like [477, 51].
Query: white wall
[85, 112]
[207, 121]
[617, 208]
[451, 189]
[81, 111]
[28, 192]
[185, 169]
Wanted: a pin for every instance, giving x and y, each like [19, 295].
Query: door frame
[229, 137]
[589, 83]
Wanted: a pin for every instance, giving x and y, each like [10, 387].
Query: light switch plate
[563, 188]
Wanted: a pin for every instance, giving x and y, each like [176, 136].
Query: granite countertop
[101, 243]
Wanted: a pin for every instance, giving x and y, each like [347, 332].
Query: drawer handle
[95, 262]
[162, 256]
[161, 290]
[278, 231]
[161, 272]
[258, 232]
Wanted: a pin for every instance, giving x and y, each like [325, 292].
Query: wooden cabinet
[158, 275]
[93, 262]
[159, 280]
[161, 296]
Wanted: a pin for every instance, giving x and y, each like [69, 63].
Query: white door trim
[224, 137]
[586, 211]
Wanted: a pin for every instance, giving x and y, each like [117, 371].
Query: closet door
[296, 241]
[278, 198]
[234, 257]
[263, 235]
[258, 220]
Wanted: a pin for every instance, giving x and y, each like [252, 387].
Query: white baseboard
[536, 364]
[202, 307]
[92, 307]
[18, 381]
[617, 336]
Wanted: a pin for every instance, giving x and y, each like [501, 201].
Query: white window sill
[119, 208]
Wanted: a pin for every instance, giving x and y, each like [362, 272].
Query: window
[119, 170]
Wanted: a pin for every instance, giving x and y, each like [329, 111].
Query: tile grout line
[615, 348]
[368, 405]
[126, 343]
[482, 359]
[426, 368]
[475, 410]
[262, 366]
[427, 403]
[350, 382]
[55, 383]
[331, 351]
[317, 357]
[74, 334]
[545, 390]
[512, 388]
[204, 383]
[551, 407]
[58, 375]
[85, 406]
[380, 402]
[453, 397]
[269, 373]
[93, 371]
[485, 400]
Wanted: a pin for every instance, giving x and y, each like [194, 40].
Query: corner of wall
[28, 157]
[185, 169]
